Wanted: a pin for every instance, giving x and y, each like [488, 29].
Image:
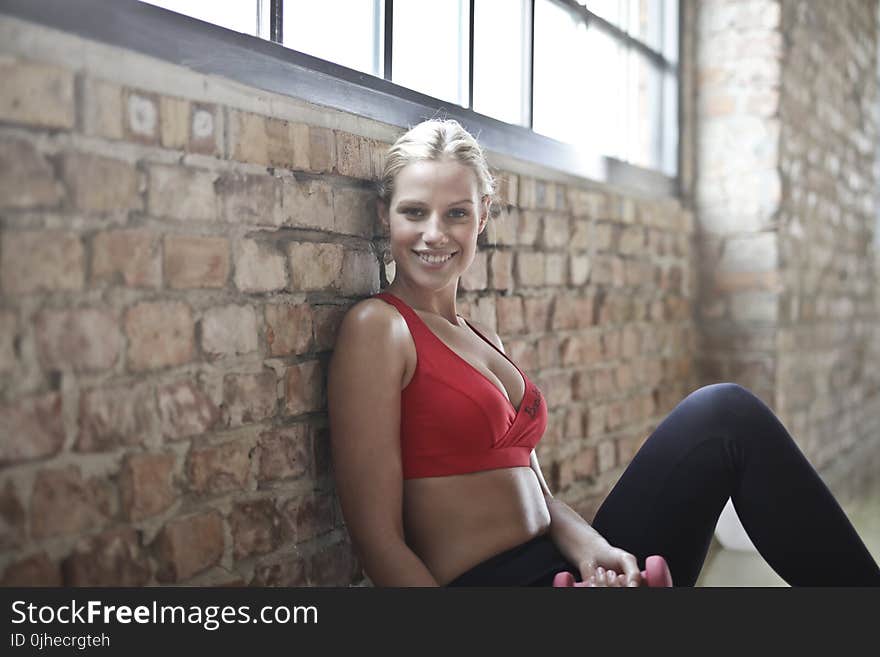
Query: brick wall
[176, 253]
[829, 340]
[786, 210]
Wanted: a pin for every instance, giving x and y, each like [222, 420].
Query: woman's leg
[722, 441]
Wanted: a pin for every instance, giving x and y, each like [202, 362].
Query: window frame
[213, 50]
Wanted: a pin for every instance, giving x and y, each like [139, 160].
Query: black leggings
[720, 442]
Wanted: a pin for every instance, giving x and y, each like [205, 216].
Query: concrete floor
[725, 567]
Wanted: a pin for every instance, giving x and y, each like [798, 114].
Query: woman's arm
[363, 392]
[580, 543]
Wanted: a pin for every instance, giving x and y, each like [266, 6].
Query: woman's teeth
[435, 260]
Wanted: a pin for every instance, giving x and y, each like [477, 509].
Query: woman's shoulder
[370, 318]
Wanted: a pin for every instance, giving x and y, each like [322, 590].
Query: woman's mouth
[435, 261]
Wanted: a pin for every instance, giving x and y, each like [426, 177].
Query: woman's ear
[485, 204]
[382, 211]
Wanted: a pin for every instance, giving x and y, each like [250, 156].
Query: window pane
[644, 21]
[238, 15]
[579, 94]
[670, 124]
[645, 110]
[501, 59]
[430, 49]
[670, 30]
[610, 10]
[347, 32]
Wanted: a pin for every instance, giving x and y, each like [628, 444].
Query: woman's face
[434, 218]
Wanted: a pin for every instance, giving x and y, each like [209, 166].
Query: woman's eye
[412, 211]
[459, 213]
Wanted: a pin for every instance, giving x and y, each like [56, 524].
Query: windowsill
[213, 50]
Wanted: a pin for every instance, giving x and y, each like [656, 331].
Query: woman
[433, 430]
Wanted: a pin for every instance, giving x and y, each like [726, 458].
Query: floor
[726, 567]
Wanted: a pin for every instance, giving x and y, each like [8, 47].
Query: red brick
[287, 144]
[548, 351]
[249, 199]
[187, 546]
[26, 177]
[476, 276]
[530, 269]
[321, 453]
[196, 262]
[289, 572]
[501, 265]
[145, 484]
[574, 423]
[185, 410]
[257, 528]
[182, 193]
[12, 518]
[509, 313]
[289, 329]
[310, 516]
[334, 565]
[41, 261]
[84, 339]
[528, 228]
[64, 503]
[564, 315]
[284, 453]
[584, 311]
[326, 321]
[537, 313]
[159, 335]
[607, 455]
[603, 383]
[304, 388]
[114, 558]
[229, 331]
[322, 150]
[36, 570]
[315, 266]
[249, 398]
[258, 268]
[353, 156]
[624, 378]
[100, 184]
[360, 273]
[37, 94]
[354, 211]
[611, 344]
[115, 417]
[130, 257]
[31, 428]
[219, 468]
[557, 232]
[306, 204]
[578, 466]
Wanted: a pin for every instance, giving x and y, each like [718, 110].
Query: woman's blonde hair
[435, 139]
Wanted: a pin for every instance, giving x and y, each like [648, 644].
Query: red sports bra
[453, 419]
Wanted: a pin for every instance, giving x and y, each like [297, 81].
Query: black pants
[720, 442]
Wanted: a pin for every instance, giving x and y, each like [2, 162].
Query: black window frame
[270, 66]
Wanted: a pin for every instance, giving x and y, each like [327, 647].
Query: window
[599, 75]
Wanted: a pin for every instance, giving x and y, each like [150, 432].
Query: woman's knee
[733, 406]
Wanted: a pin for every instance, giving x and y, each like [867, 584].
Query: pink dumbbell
[656, 574]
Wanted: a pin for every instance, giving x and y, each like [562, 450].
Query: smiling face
[434, 218]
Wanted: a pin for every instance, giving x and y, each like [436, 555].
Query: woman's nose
[434, 229]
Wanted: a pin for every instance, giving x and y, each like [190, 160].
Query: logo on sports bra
[532, 409]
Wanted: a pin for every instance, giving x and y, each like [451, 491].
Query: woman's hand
[605, 565]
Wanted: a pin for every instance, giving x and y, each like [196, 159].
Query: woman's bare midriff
[453, 523]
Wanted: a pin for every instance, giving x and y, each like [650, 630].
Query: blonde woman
[433, 430]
